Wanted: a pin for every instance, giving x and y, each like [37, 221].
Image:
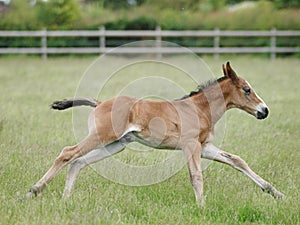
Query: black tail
[68, 103]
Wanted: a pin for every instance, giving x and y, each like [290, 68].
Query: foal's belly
[154, 141]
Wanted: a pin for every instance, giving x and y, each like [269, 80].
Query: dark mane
[203, 86]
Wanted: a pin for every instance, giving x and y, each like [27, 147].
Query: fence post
[158, 42]
[273, 43]
[216, 44]
[44, 44]
[102, 39]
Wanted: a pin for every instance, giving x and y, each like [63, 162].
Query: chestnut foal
[187, 124]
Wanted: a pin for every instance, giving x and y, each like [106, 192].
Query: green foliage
[211, 5]
[146, 15]
[172, 20]
[56, 14]
[121, 4]
[116, 4]
[174, 5]
[117, 25]
[20, 16]
[140, 23]
[280, 4]
[262, 16]
[232, 2]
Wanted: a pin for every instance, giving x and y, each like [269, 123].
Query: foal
[187, 124]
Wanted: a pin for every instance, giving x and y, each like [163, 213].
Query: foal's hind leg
[90, 158]
[67, 155]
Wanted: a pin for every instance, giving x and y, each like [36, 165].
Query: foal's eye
[247, 90]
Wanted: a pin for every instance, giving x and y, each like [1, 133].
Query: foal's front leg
[213, 153]
[192, 152]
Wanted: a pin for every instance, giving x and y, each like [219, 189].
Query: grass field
[31, 136]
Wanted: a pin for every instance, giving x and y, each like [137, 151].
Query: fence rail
[157, 35]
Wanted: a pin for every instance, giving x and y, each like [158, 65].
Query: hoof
[28, 195]
[200, 202]
[273, 191]
[33, 192]
[66, 195]
[278, 195]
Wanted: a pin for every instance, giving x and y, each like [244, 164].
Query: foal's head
[243, 96]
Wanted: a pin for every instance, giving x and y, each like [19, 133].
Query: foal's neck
[213, 100]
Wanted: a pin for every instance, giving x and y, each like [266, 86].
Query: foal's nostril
[263, 113]
[266, 111]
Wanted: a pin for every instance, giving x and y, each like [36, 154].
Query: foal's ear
[229, 72]
[224, 70]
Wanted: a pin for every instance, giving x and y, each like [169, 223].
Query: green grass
[31, 136]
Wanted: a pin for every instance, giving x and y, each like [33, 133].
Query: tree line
[147, 14]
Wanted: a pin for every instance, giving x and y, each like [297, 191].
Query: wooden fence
[157, 35]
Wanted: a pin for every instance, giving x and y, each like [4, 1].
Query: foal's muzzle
[262, 112]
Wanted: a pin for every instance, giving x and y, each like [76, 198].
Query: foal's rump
[112, 118]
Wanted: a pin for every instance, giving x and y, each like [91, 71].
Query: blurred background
[148, 15]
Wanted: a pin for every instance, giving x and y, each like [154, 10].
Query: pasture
[31, 136]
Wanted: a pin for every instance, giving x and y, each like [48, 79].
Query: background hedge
[146, 15]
